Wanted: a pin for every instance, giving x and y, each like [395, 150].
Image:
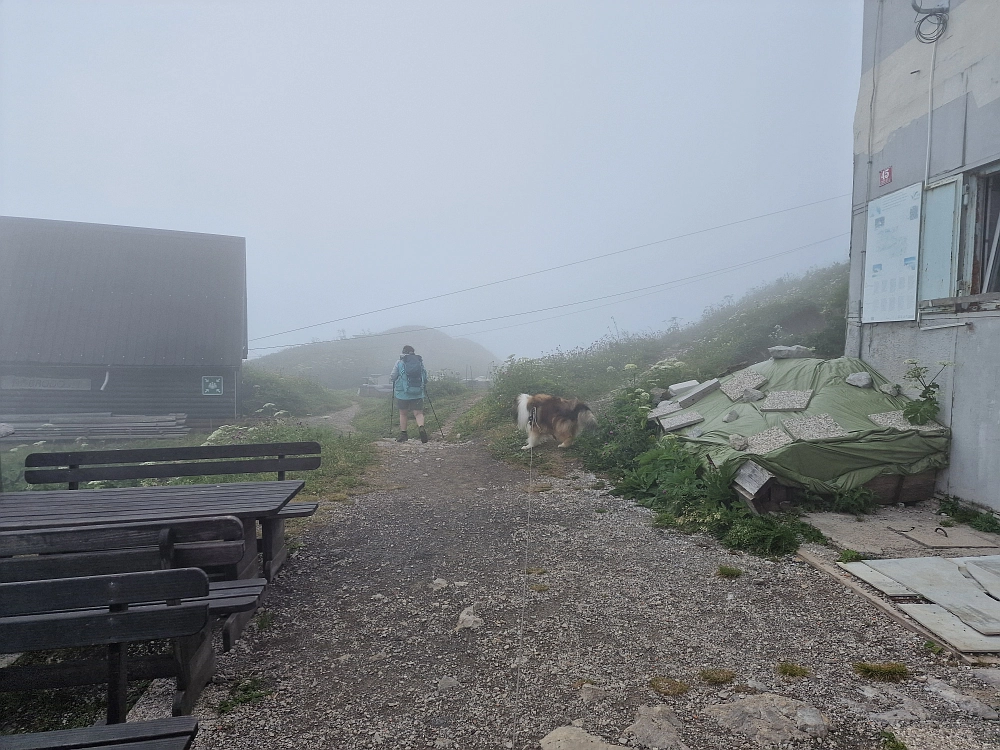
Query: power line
[663, 286]
[547, 270]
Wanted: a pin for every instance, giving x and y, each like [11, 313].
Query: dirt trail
[338, 420]
[359, 649]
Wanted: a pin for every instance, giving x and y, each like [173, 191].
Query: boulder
[656, 726]
[731, 416]
[859, 379]
[789, 352]
[590, 693]
[752, 394]
[738, 443]
[771, 719]
[469, 619]
[891, 389]
[574, 738]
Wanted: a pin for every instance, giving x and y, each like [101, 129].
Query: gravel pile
[358, 647]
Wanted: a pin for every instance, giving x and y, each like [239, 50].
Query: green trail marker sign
[211, 385]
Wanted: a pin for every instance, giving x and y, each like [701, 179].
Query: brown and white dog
[562, 418]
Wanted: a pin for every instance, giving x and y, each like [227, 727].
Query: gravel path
[360, 648]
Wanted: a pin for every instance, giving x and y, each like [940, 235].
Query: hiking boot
[423, 435]
[403, 437]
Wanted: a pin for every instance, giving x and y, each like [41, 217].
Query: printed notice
[891, 254]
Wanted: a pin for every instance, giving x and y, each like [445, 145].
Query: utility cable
[552, 268]
[662, 286]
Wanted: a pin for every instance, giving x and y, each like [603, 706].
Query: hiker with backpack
[409, 378]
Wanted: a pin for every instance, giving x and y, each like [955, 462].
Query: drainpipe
[930, 112]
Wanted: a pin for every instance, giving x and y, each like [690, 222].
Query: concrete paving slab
[678, 388]
[678, 421]
[785, 401]
[880, 581]
[738, 383]
[941, 582]
[897, 421]
[663, 409]
[816, 427]
[769, 440]
[986, 578]
[951, 629]
[697, 393]
[937, 537]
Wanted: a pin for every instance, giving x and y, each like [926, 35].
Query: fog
[375, 154]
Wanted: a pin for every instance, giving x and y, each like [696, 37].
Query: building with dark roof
[100, 318]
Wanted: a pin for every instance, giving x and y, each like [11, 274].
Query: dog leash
[524, 592]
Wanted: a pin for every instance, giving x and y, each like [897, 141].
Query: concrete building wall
[891, 130]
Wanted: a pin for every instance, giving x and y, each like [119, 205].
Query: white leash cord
[524, 595]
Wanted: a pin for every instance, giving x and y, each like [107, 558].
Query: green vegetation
[266, 393]
[792, 670]
[924, 407]
[667, 686]
[691, 497]
[242, 693]
[891, 742]
[717, 676]
[891, 671]
[725, 571]
[960, 513]
[934, 647]
[849, 556]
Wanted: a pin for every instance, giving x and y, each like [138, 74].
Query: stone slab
[678, 388]
[956, 537]
[985, 578]
[896, 421]
[786, 401]
[816, 427]
[679, 421]
[769, 440]
[697, 393]
[663, 409]
[951, 629]
[789, 352]
[738, 383]
[941, 582]
[880, 581]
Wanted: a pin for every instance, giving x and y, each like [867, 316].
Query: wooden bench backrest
[94, 610]
[32, 555]
[74, 467]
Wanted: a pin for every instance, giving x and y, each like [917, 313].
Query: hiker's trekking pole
[440, 428]
[392, 400]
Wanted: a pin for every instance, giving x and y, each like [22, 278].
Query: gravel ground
[358, 645]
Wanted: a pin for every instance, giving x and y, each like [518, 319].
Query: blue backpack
[413, 365]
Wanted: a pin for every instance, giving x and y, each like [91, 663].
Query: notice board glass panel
[891, 256]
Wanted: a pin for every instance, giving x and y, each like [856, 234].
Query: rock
[771, 719]
[656, 726]
[731, 416]
[757, 685]
[890, 389]
[961, 700]
[437, 584]
[657, 394]
[789, 352]
[678, 388]
[447, 683]
[859, 379]
[590, 693]
[574, 738]
[468, 619]
[752, 394]
[738, 442]
[911, 710]
[989, 676]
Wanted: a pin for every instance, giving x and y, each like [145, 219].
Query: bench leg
[234, 626]
[196, 665]
[275, 551]
[117, 682]
[247, 567]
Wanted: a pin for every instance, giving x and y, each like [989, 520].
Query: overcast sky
[376, 153]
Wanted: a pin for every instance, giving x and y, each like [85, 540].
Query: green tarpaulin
[823, 465]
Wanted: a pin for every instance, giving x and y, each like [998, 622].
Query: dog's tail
[585, 419]
[523, 413]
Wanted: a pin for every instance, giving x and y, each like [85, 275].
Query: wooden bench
[74, 467]
[160, 734]
[213, 543]
[112, 611]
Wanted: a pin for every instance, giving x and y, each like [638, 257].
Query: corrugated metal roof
[96, 294]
